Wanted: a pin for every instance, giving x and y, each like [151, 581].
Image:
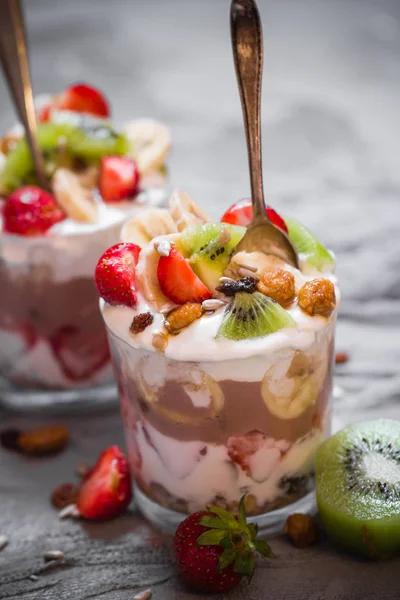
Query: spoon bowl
[247, 46]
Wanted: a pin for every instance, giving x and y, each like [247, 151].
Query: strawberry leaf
[253, 528]
[212, 537]
[245, 564]
[223, 514]
[242, 511]
[263, 548]
[226, 558]
[212, 522]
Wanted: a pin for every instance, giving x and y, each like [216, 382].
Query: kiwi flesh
[251, 316]
[209, 248]
[311, 251]
[358, 487]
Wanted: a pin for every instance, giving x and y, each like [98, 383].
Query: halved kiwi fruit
[358, 487]
[253, 315]
[209, 247]
[312, 252]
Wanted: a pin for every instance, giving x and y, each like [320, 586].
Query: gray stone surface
[331, 138]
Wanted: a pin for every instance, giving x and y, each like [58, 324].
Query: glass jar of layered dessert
[51, 331]
[223, 362]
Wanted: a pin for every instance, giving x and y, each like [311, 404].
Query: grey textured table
[331, 136]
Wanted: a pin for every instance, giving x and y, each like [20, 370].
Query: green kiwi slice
[251, 316]
[92, 141]
[311, 251]
[358, 487]
[209, 247]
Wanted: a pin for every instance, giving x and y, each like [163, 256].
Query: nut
[160, 340]
[183, 316]
[53, 555]
[341, 358]
[140, 322]
[44, 440]
[317, 297]
[64, 495]
[279, 285]
[301, 529]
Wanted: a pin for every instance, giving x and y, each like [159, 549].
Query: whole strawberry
[214, 549]
[106, 490]
[115, 274]
[30, 211]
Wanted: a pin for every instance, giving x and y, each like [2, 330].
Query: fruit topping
[115, 274]
[80, 354]
[81, 98]
[241, 213]
[150, 143]
[230, 287]
[358, 487]
[301, 529]
[279, 285]
[183, 316]
[185, 212]
[119, 178]
[44, 440]
[30, 211]
[317, 297]
[256, 454]
[251, 315]
[141, 322]
[64, 495]
[76, 200]
[209, 247]
[106, 491]
[178, 281]
[147, 225]
[91, 142]
[215, 549]
[311, 251]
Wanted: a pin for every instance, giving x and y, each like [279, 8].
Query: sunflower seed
[163, 247]
[71, 511]
[53, 555]
[146, 595]
[3, 541]
[212, 304]
[33, 577]
[245, 272]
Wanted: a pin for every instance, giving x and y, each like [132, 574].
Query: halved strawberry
[106, 490]
[80, 354]
[80, 98]
[115, 274]
[241, 213]
[119, 178]
[30, 211]
[178, 281]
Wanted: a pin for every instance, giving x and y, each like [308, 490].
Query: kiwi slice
[91, 141]
[253, 315]
[358, 487]
[311, 251]
[209, 247]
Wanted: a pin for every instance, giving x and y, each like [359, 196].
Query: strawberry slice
[119, 178]
[30, 211]
[80, 354]
[106, 491]
[241, 213]
[178, 281]
[115, 274]
[81, 98]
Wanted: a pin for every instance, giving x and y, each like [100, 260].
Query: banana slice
[201, 385]
[147, 225]
[151, 143]
[289, 389]
[185, 212]
[74, 199]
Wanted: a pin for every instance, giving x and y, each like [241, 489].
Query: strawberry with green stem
[215, 549]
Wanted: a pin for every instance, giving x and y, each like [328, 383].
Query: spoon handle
[247, 45]
[14, 58]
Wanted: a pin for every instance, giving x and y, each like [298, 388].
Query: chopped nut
[160, 340]
[44, 440]
[317, 297]
[53, 555]
[279, 285]
[301, 529]
[140, 322]
[64, 495]
[3, 541]
[9, 439]
[341, 358]
[183, 316]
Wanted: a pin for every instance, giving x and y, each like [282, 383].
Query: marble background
[331, 123]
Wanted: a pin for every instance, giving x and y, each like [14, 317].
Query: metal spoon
[14, 58]
[247, 45]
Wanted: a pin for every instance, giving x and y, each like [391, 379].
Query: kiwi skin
[361, 523]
